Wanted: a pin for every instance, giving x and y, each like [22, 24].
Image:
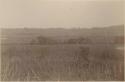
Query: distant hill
[25, 35]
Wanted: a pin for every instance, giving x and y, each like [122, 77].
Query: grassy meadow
[60, 58]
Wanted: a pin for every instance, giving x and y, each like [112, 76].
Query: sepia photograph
[61, 40]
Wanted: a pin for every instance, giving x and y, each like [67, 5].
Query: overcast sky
[61, 13]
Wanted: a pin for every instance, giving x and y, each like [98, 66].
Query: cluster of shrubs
[79, 40]
[45, 40]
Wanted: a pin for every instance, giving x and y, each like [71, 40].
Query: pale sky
[61, 13]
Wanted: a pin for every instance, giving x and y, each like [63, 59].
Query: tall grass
[61, 62]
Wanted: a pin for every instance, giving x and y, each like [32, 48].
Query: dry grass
[61, 62]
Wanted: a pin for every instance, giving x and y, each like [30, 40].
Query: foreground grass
[61, 62]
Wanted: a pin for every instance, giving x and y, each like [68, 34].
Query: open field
[61, 62]
[62, 54]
